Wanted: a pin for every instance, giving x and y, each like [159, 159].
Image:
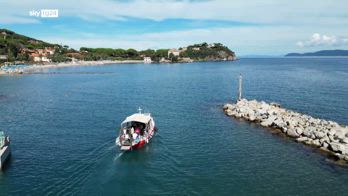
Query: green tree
[131, 53]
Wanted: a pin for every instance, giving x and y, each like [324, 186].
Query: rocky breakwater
[324, 134]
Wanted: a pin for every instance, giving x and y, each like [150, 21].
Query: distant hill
[11, 43]
[11, 39]
[321, 53]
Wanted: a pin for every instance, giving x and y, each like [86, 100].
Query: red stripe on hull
[139, 145]
[143, 142]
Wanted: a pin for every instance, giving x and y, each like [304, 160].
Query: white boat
[136, 131]
[5, 150]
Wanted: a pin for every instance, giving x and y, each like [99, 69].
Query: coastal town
[19, 53]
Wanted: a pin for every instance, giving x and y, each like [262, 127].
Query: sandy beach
[37, 67]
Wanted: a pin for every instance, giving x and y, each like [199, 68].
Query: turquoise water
[63, 123]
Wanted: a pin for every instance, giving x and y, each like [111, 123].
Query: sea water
[63, 124]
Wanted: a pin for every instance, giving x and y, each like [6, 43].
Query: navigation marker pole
[240, 87]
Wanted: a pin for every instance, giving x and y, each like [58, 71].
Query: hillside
[321, 53]
[207, 52]
[12, 43]
[18, 48]
[196, 52]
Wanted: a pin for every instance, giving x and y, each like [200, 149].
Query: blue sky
[260, 27]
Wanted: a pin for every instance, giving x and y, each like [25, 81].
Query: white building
[211, 45]
[147, 60]
[36, 59]
[175, 52]
[45, 59]
[3, 57]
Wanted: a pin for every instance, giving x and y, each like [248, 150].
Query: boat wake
[112, 147]
[80, 171]
[118, 156]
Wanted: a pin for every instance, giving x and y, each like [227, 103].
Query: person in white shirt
[135, 136]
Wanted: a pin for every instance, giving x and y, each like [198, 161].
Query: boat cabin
[135, 129]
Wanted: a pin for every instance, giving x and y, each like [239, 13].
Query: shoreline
[327, 136]
[34, 67]
[31, 68]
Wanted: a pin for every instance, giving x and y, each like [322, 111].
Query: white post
[240, 87]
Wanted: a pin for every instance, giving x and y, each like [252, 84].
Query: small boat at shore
[136, 131]
[5, 150]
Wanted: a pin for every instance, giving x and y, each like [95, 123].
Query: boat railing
[124, 141]
[2, 141]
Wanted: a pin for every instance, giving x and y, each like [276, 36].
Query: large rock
[340, 134]
[309, 141]
[269, 121]
[252, 117]
[279, 123]
[325, 145]
[229, 112]
[266, 123]
[319, 134]
[302, 139]
[307, 132]
[228, 106]
[262, 112]
[324, 139]
[339, 155]
[316, 142]
[346, 157]
[345, 140]
[272, 112]
[292, 133]
[333, 124]
[299, 130]
[338, 147]
[332, 132]
[277, 105]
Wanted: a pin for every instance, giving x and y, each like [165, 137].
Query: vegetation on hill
[204, 51]
[94, 54]
[197, 52]
[11, 43]
[16, 47]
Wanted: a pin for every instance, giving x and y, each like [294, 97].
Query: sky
[253, 27]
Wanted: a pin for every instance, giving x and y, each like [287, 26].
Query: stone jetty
[324, 134]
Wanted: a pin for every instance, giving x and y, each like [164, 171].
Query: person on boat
[132, 130]
[123, 136]
[137, 130]
[135, 137]
[126, 137]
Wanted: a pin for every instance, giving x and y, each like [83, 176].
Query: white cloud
[323, 40]
[257, 11]
[17, 20]
[272, 40]
[281, 22]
